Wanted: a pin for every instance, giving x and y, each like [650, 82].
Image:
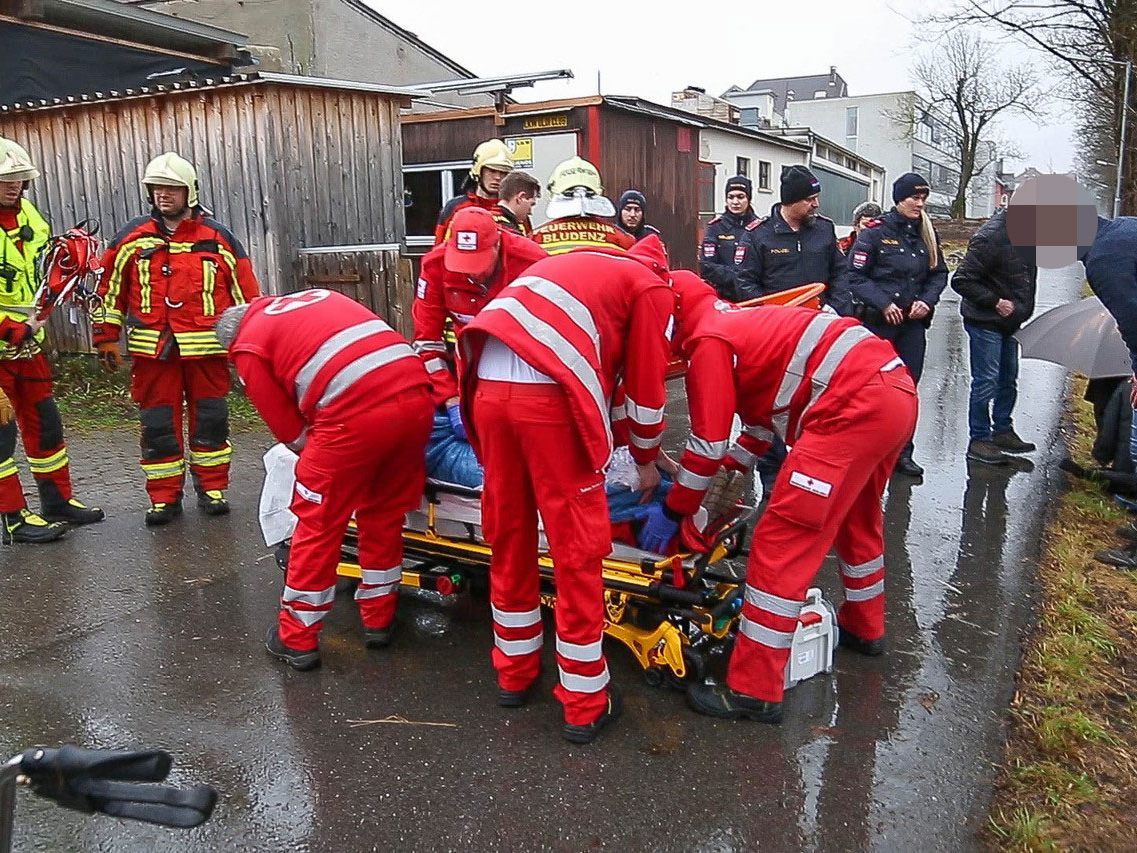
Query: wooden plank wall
[284, 166]
[380, 279]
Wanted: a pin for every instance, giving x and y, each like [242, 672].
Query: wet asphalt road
[125, 637]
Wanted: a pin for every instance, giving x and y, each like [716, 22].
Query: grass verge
[1069, 780]
[90, 398]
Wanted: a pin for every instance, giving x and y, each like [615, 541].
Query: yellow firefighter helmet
[15, 164]
[171, 170]
[575, 172]
[492, 154]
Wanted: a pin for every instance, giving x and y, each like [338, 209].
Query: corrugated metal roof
[213, 83]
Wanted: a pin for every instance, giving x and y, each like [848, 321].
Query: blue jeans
[994, 381]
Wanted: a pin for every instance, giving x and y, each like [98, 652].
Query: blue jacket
[889, 264]
[1111, 269]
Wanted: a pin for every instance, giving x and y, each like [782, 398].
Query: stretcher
[670, 611]
[667, 610]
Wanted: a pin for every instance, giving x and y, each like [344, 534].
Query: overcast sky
[639, 49]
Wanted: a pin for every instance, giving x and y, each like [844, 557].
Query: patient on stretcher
[449, 459]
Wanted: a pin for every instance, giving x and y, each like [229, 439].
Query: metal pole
[1121, 141]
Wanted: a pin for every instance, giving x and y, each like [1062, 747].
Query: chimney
[698, 89]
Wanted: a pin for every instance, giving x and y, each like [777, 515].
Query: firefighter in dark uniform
[897, 270]
[795, 245]
[726, 257]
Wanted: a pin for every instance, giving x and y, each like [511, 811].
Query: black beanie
[798, 183]
[909, 185]
[634, 196]
[739, 182]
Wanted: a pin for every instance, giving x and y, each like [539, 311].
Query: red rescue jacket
[777, 367]
[587, 319]
[580, 232]
[171, 288]
[470, 199]
[317, 354]
[441, 294]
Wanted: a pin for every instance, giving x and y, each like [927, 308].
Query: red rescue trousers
[27, 383]
[370, 462]
[828, 492]
[536, 461]
[162, 388]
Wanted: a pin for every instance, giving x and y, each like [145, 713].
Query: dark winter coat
[992, 270]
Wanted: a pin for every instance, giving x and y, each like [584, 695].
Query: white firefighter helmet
[15, 164]
[492, 154]
[171, 170]
[576, 190]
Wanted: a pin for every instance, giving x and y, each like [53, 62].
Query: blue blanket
[452, 460]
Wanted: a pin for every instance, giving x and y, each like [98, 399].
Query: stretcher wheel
[696, 671]
[655, 676]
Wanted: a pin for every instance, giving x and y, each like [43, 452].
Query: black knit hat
[909, 185]
[633, 196]
[739, 182]
[798, 183]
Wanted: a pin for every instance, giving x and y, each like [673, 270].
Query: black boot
[299, 660]
[718, 700]
[73, 511]
[517, 698]
[871, 648]
[907, 466]
[25, 526]
[213, 502]
[163, 513]
[589, 732]
[378, 638]
[985, 451]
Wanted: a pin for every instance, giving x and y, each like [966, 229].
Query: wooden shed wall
[642, 152]
[442, 141]
[285, 167]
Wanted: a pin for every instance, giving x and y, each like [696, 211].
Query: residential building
[762, 152]
[898, 130]
[336, 39]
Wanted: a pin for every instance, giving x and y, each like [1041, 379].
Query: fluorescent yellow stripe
[162, 470]
[7, 468]
[142, 341]
[234, 287]
[124, 254]
[208, 281]
[144, 288]
[211, 458]
[47, 464]
[110, 315]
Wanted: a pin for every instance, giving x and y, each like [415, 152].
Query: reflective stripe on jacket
[19, 276]
[169, 289]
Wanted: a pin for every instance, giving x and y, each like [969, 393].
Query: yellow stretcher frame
[701, 609]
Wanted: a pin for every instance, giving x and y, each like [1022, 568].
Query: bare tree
[962, 78]
[1089, 42]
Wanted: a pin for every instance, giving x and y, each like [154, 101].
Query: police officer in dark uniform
[795, 245]
[726, 257]
[897, 270]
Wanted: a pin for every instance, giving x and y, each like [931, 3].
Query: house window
[748, 117]
[742, 166]
[763, 175]
[427, 188]
[851, 122]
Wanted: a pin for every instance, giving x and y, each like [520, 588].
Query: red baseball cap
[473, 237]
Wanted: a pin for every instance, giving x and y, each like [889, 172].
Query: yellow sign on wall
[521, 149]
[545, 122]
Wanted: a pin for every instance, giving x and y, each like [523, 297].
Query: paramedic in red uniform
[346, 391]
[456, 283]
[846, 404]
[539, 366]
[168, 276]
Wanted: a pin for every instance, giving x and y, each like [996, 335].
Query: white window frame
[448, 190]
